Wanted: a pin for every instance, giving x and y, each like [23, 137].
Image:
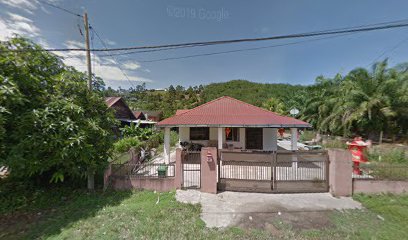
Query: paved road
[237, 208]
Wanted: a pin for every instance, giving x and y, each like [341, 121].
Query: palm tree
[275, 105]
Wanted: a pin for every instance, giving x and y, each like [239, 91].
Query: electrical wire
[379, 26]
[112, 57]
[60, 8]
[240, 50]
[399, 43]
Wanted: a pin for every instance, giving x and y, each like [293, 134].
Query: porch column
[293, 147]
[167, 145]
[293, 139]
[242, 137]
[274, 139]
[220, 137]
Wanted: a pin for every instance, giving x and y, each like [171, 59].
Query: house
[122, 110]
[142, 117]
[153, 116]
[125, 115]
[229, 123]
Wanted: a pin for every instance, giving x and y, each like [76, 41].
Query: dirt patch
[17, 224]
[276, 222]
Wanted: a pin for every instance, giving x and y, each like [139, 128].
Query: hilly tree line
[364, 101]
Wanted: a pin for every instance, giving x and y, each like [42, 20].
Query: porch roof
[230, 112]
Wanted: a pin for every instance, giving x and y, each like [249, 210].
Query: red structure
[357, 148]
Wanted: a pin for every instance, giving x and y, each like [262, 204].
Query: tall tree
[52, 127]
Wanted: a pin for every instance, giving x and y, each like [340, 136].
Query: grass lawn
[75, 214]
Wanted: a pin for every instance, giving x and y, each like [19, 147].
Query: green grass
[335, 143]
[384, 217]
[64, 213]
[111, 215]
[388, 155]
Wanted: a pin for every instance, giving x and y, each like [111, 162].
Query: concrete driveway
[245, 209]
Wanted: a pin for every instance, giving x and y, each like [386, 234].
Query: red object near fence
[357, 148]
[281, 131]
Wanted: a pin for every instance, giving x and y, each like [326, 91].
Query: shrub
[125, 144]
[155, 140]
[174, 138]
[307, 136]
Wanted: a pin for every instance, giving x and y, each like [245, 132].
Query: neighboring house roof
[229, 112]
[149, 114]
[111, 100]
[122, 110]
[138, 114]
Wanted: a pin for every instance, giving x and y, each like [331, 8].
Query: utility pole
[90, 171]
[88, 51]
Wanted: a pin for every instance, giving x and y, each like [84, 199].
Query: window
[199, 133]
[232, 134]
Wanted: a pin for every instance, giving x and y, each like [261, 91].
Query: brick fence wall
[379, 186]
[155, 184]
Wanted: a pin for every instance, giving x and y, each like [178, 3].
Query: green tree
[51, 126]
[275, 105]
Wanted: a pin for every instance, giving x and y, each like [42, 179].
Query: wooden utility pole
[90, 171]
[88, 51]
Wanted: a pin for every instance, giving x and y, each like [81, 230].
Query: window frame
[205, 134]
[235, 137]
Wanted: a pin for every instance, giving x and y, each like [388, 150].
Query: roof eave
[238, 125]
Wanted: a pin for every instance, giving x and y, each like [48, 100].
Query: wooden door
[254, 138]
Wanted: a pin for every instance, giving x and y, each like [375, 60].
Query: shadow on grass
[52, 210]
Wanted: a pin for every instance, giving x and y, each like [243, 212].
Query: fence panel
[191, 163]
[281, 171]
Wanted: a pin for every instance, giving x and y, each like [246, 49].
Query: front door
[254, 138]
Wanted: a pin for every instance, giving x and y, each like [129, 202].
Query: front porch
[240, 139]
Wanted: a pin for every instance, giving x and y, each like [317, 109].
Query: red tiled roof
[181, 111]
[111, 100]
[227, 111]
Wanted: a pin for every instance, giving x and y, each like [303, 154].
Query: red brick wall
[155, 184]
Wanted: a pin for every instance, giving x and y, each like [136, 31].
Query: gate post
[179, 169]
[209, 159]
[340, 172]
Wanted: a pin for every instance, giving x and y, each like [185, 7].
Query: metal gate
[191, 164]
[279, 172]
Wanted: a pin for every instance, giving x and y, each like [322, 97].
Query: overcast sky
[123, 23]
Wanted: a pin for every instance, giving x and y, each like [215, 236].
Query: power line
[240, 50]
[172, 48]
[210, 43]
[112, 57]
[60, 8]
[387, 50]
[152, 50]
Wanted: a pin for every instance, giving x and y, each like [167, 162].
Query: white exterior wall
[184, 134]
[213, 134]
[269, 139]
[167, 145]
[293, 138]
[220, 137]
